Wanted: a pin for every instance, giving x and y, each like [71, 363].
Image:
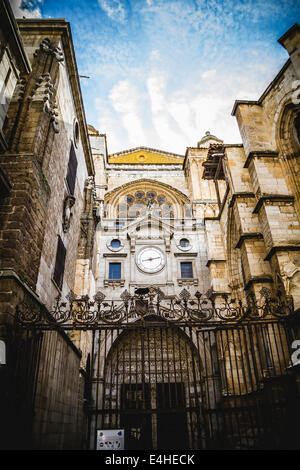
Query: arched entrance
[152, 388]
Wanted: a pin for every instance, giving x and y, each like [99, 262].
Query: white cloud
[28, 9]
[109, 125]
[126, 101]
[209, 73]
[199, 58]
[177, 118]
[114, 9]
[155, 55]
[167, 130]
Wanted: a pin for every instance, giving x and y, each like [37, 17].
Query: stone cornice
[260, 154]
[186, 254]
[114, 282]
[143, 166]
[248, 236]
[187, 281]
[265, 93]
[136, 149]
[114, 255]
[258, 280]
[290, 32]
[11, 28]
[272, 198]
[276, 249]
[217, 218]
[242, 195]
[212, 260]
[203, 201]
[238, 102]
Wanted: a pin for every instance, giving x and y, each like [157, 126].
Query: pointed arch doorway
[151, 387]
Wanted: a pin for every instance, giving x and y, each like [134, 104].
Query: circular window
[139, 195]
[161, 199]
[115, 243]
[184, 243]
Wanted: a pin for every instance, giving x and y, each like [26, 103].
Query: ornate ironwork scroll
[151, 304]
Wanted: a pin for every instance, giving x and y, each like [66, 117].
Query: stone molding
[272, 198]
[258, 280]
[248, 236]
[260, 154]
[212, 260]
[242, 195]
[187, 282]
[186, 254]
[114, 282]
[114, 255]
[276, 249]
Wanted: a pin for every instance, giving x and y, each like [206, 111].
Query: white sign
[110, 439]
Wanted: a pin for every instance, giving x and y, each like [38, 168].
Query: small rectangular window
[59, 263]
[114, 270]
[186, 270]
[72, 170]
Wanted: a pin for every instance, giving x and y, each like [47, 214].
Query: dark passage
[134, 418]
[171, 421]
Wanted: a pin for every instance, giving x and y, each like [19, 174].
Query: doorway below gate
[150, 387]
[164, 427]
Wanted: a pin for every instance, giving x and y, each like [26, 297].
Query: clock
[150, 260]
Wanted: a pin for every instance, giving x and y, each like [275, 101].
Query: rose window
[137, 205]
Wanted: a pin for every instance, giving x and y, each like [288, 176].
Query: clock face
[150, 260]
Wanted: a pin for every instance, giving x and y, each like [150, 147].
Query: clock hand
[150, 259]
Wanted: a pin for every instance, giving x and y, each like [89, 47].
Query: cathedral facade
[144, 291]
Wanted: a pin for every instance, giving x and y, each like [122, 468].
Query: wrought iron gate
[18, 387]
[184, 373]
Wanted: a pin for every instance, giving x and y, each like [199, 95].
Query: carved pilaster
[33, 115]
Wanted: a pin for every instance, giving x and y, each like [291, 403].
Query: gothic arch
[288, 142]
[114, 337]
[132, 338]
[173, 196]
[286, 137]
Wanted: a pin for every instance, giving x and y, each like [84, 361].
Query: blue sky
[162, 72]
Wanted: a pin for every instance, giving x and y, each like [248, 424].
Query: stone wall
[44, 118]
[59, 417]
[272, 151]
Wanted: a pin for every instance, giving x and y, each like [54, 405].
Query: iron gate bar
[223, 370]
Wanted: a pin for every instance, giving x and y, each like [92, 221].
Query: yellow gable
[147, 156]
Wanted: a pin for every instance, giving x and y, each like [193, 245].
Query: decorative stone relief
[44, 91]
[67, 212]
